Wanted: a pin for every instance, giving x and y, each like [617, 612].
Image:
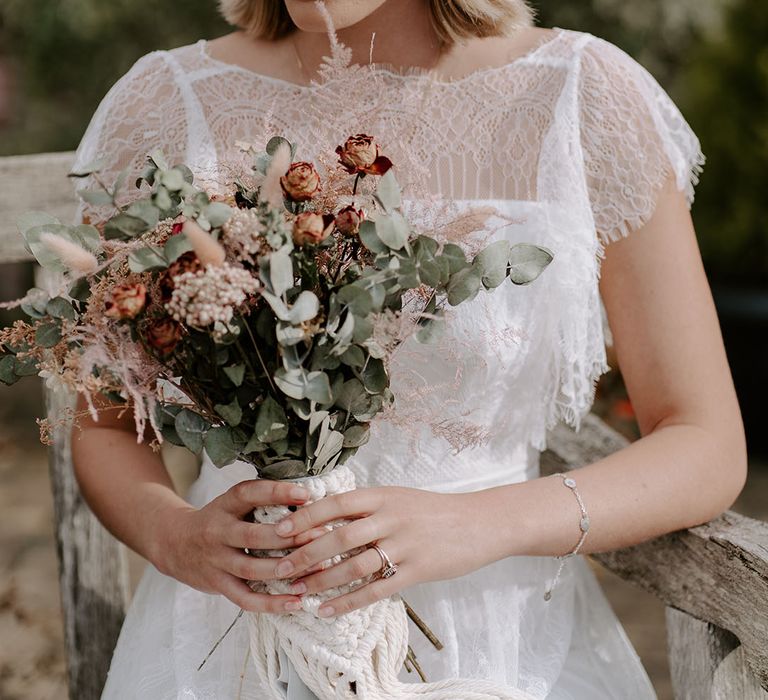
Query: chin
[344, 13]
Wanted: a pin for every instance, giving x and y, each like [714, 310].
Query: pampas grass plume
[207, 249]
[73, 256]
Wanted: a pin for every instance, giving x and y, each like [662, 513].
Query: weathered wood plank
[717, 572]
[93, 571]
[23, 179]
[707, 662]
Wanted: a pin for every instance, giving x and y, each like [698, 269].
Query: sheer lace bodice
[568, 147]
[571, 144]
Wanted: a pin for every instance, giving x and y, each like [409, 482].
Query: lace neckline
[388, 69]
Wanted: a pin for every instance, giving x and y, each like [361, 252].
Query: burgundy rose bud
[301, 182]
[126, 301]
[310, 227]
[348, 220]
[360, 154]
[187, 262]
[163, 335]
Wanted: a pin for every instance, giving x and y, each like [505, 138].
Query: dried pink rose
[163, 334]
[127, 301]
[348, 220]
[310, 227]
[301, 181]
[360, 154]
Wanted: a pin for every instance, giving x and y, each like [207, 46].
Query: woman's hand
[430, 536]
[204, 548]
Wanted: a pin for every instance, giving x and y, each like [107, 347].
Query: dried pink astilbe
[132, 369]
[73, 256]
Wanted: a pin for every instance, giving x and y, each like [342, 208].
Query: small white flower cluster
[210, 296]
[243, 235]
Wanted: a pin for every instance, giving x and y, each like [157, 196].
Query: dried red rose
[360, 154]
[163, 334]
[348, 220]
[301, 181]
[127, 301]
[309, 227]
[187, 262]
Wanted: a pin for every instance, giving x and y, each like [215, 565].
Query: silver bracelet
[570, 482]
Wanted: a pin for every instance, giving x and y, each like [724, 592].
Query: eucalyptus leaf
[354, 356]
[35, 219]
[316, 418]
[59, 307]
[172, 179]
[231, 412]
[289, 335]
[146, 211]
[280, 272]
[48, 334]
[329, 448]
[125, 226]
[357, 298]
[8, 374]
[388, 191]
[190, 427]
[220, 445]
[146, 259]
[374, 376]
[271, 423]
[26, 367]
[218, 213]
[393, 230]
[527, 262]
[98, 198]
[463, 286]
[305, 308]
[357, 435]
[236, 373]
[491, 263]
[87, 236]
[455, 256]
[370, 239]
[176, 246]
[284, 469]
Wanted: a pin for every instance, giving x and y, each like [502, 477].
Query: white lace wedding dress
[570, 144]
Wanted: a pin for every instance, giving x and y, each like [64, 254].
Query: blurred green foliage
[68, 53]
[711, 55]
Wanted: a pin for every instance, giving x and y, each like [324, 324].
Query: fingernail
[325, 611]
[284, 527]
[292, 605]
[284, 568]
[299, 492]
[299, 587]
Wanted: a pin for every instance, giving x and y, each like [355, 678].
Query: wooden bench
[713, 578]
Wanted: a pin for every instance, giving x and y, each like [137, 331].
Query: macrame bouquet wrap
[357, 655]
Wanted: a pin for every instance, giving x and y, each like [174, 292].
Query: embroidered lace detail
[569, 144]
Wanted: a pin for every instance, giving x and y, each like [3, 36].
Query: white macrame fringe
[355, 656]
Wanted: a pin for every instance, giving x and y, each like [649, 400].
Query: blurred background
[59, 57]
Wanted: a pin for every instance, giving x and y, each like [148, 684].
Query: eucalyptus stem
[258, 354]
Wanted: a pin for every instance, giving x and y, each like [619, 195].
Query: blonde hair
[453, 20]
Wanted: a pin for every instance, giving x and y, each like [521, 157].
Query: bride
[578, 149]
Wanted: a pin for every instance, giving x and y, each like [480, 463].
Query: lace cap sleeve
[633, 138]
[144, 110]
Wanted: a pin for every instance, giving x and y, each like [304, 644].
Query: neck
[401, 32]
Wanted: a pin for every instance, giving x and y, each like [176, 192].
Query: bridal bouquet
[258, 325]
